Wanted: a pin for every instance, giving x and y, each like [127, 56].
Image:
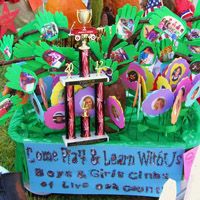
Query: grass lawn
[7, 156]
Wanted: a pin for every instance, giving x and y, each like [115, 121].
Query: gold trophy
[84, 16]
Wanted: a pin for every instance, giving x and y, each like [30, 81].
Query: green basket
[143, 132]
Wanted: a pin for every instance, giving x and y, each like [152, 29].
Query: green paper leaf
[182, 48]
[120, 45]
[106, 39]
[30, 27]
[23, 49]
[127, 20]
[33, 65]
[165, 50]
[95, 48]
[122, 70]
[152, 51]
[196, 24]
[20, 78]
[70, 53]
[41, 50]
[46, 25]
[61, 21]
[197, 10]
[161, 18]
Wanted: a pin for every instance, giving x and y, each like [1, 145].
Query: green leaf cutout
[46, 25]
[165, 50]
[23, 49]
[127, 20]
[144, 50]
[20, 78]
[41, 51]
[110, 31]
[168, 22]
[30, 27]
[62, 22]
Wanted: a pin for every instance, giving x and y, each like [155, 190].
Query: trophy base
[85, 140]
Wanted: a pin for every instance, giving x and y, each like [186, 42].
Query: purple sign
[116, 112]
[194, 93]
[185, 85]
[177, 70]
[130, 77]
[158, 102]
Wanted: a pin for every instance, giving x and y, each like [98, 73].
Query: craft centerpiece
[137, 81]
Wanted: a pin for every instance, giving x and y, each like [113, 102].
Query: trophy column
[70, 112]
[99, 109]
[85, 126]
[84, 72]
[84, 60]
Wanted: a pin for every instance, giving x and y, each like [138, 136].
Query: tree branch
[113, 42]
[133, 37]
[36, 31]
[123, 65]
[4, 63]
[183, 56]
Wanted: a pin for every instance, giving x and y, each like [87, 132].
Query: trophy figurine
[85, 121]
[84, 16]
[85, 110]
[99, 67]
[69, 69]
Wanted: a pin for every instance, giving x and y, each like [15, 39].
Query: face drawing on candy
[159, 104]
[176, 74]
[132, 76]
[59, 117]
[194, 95]
[88, 103]
[115, 112]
